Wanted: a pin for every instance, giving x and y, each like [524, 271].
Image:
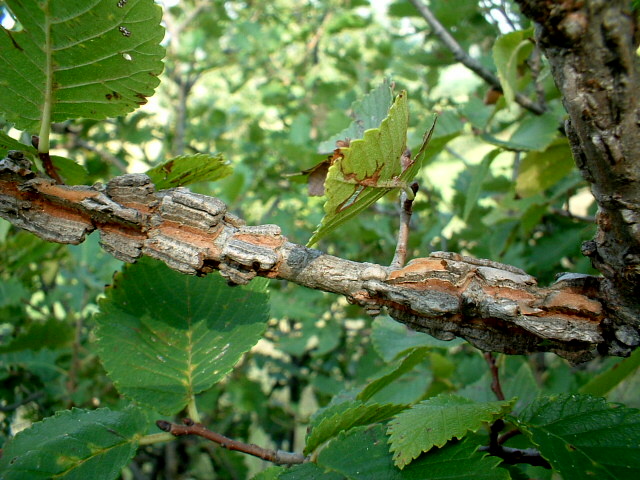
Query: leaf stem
[45, 121]
[192, 410]
[156, 438]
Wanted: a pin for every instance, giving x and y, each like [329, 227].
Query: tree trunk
[591, 46]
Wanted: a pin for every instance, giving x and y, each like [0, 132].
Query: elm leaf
[585, 437]
[369, 168]
[187, 169]
[76, 58]
[75, 444]
[164, 337]
[435, 421]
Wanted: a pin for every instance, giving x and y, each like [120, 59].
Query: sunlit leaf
[369, 168]
[541, 170]
[73, 59]
[188, 169]
[367, 112]
[509, 51]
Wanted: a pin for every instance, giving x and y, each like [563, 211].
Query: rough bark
[494, 306]
[591, 46]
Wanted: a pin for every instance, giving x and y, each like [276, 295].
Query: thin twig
[278, 457]
[512, 456]
[29, 398]
[469, 62]
[400, 256]
[495, 383]
[569, 214]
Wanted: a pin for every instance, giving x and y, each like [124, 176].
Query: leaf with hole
[187, 169]
[72, 59]
[370, 167]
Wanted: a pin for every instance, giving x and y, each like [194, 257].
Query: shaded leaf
[75, 444]
[435, 421]
[309, 471]
[603, 383]
[585, 437]
[393, 371]
[188, 169]
[363, 454]
[391, 338]
[473, 193]
[343, 416]
[71, 60]
[164, 337]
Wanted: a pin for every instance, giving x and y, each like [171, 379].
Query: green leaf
[473, 193]
[394, 371]
[164, 337]
[391, 338]
[71, 172]
[541, 170]
[537, 132]
[509, 52]
[75, 444]
[369, 168]
[72, 59]
[343, 416]
[362, 454]
[603, 383]
[188, 169]
[435, 421]
[309, 471]
[367, 112]
[9, 143]
[585, 437]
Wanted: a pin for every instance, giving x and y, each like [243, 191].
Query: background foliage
[266, 84]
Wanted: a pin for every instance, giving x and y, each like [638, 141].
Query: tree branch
[278, 457]
[591, 47]
[463, 57]
[494, 306]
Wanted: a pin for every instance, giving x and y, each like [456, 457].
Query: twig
[568, 214]
[278, 457]
[24, 401]
[400, 256]
[512, 456]
[464, 58]
[495, 384]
